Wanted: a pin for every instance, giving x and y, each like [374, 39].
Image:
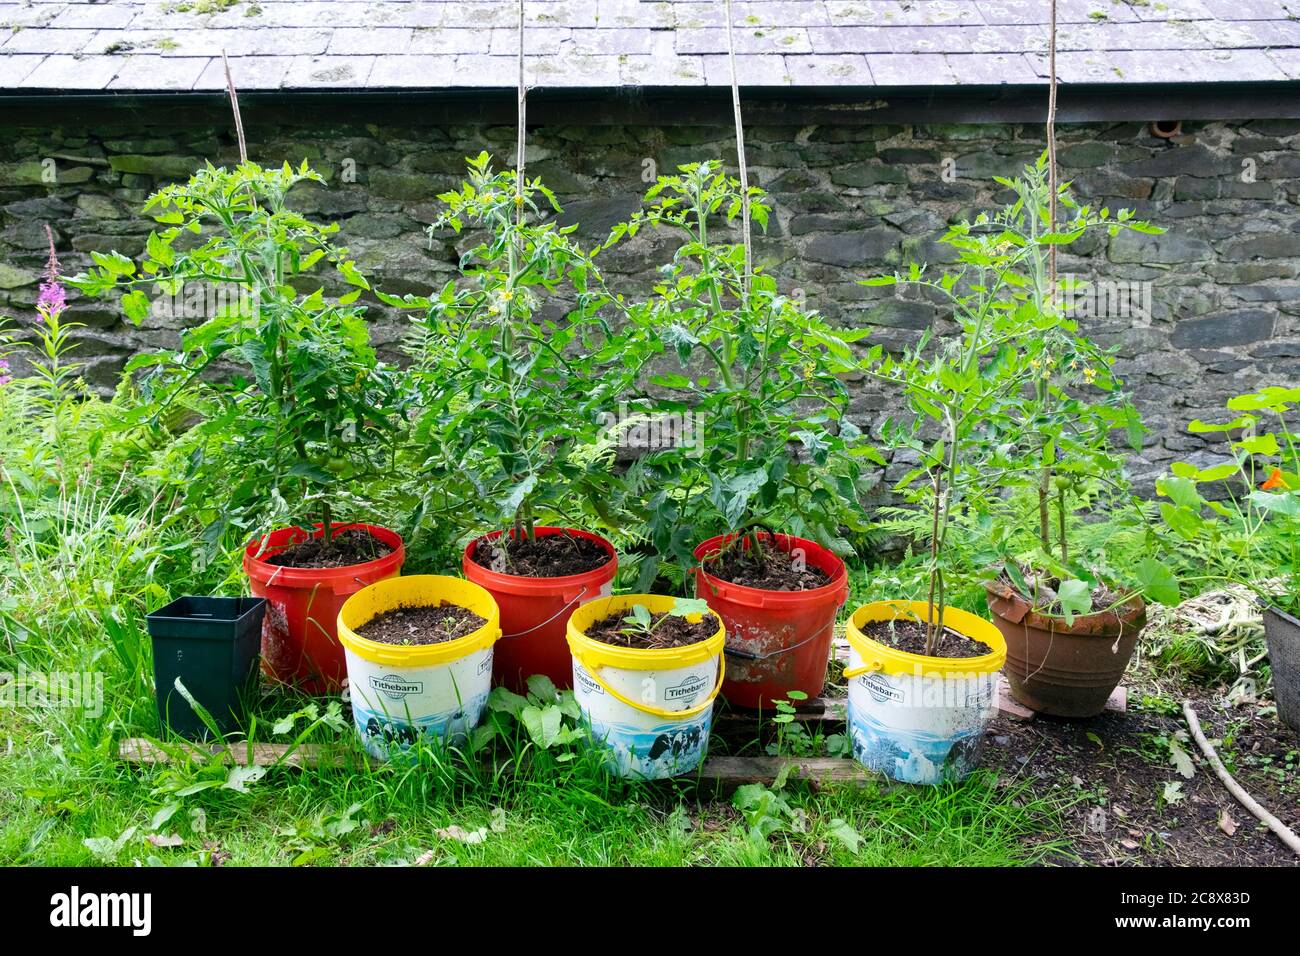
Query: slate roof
[175, 45]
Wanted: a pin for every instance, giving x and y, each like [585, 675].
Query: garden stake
[234, 106]
[740, 159]
[747, 278]
[1051, 147]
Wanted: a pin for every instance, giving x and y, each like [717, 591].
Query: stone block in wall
[1194, 160]
[14, 277]
[863, 175]
[159, 167]
[858, 248]
[1269, 245]
[1169, 247]
[34, 172]
[95, 206]
[1238, 327]
[410, 187]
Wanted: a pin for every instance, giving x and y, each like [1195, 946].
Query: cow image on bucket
[646, 671]
[915, 718]
[419, 659]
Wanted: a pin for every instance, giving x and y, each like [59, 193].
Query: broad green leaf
[1075, 597]
[1156, 582]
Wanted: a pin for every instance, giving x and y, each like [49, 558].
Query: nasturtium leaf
[1075, 598]
[1156, 582]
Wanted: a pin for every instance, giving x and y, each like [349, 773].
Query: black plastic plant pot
[1282, 632]
[212, 644]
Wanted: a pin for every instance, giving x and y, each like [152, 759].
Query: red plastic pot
[777, 641]
[300, 644]
[535, 613]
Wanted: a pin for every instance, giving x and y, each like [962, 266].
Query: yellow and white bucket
[914, 718]
[650, 708]
[400, 693]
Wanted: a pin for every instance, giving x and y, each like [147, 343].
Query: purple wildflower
[52, 300]
[5, 377]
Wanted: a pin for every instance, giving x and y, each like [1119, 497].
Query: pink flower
[5, 377]
[51, 300]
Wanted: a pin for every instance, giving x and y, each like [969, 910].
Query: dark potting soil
[776, 572]
[909, 636]
[552, 556]
[424, 624]
[345, 548]
[665, 631]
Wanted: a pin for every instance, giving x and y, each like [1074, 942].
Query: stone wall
[851, 199]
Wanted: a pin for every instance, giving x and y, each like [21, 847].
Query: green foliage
[794, 739]
[641, 621]
[291, 397]
[1020, 398]
[1251, 536]
[510, 389]
[757, 369]
[550, 717]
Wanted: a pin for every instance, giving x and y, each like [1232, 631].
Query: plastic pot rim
[528, 585]
[889, 660]
[838, 585]
[462, 593]
[637, 658]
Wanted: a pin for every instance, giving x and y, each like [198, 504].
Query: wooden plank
[727, 773]
[817, 710]
[143, 751]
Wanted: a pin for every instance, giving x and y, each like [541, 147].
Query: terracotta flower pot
[1282, 631]
[1068, 671]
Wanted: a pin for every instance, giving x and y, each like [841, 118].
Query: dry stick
[234, 105]
[523, 525]
[1051, 152]
[744, 168]
[1044, 483]
[1284, 833]
[744, 222]
[519, 140]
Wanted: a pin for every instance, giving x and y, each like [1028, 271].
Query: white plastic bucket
[650, 709]
[400, 693]
[919, 719]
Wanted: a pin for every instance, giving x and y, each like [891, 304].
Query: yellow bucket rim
[880, 657]
[596, 653]
[418, 590]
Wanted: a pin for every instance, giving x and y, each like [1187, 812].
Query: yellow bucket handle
[658, 711]
[866, 667]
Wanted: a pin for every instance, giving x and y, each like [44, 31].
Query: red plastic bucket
[535, 613]
[777, 641]
[300, 644]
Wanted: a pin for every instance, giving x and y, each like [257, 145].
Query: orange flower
[1275, 480]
